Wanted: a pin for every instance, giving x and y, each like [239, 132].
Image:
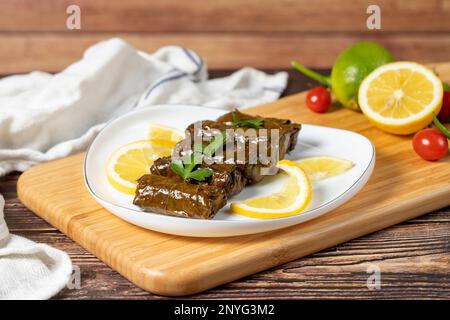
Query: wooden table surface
[413, 258]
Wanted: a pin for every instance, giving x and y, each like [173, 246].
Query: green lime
[349, 70]
[352, 66]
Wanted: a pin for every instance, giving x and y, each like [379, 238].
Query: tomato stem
[324, 80]
[441, 127]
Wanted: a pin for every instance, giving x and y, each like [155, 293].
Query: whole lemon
[352, 66]
[349, 70]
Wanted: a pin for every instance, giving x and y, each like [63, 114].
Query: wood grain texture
[229, 34]
[422, 244]
[413, 258]
[54, 52]
[402, 187]
[226, 15]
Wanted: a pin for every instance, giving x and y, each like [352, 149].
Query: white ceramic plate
[313, 140]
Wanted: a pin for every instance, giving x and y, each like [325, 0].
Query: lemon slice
[130, 162]
[164, 136]
[400, 97]
[292, 199]
[319, 168]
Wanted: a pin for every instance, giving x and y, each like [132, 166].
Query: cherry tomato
[318, 99]
[444, 114]
[430, 144]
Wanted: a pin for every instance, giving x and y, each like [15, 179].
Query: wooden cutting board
[402, 187]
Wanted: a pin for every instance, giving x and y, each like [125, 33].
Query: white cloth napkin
[29, 270]
[45, 117]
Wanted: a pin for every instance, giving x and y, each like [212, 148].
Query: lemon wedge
[130, 162]
[164, 136]
[292, 199]
[319, 168]
[400, 97]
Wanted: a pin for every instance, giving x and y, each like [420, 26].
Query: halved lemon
[400, 97]
[130, 162]
[292, 199]
[319, 168]
[164, 136]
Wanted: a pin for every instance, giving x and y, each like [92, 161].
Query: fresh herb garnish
[214, 145]
[249, 123]
[446, 86]
[200, 174]
[178, 168]
[186, 168]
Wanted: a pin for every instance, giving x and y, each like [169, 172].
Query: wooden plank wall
[228, 33]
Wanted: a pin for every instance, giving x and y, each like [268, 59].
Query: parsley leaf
[218, 142]
[178, 168]
[200, 174]
[186, 168]
[250, 123]
[446, 86]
